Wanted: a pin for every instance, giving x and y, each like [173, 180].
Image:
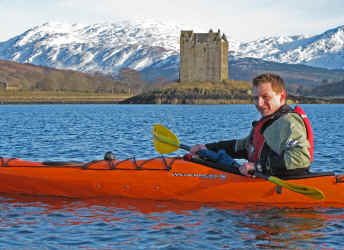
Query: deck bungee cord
[106, 164]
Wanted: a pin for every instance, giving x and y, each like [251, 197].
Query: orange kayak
[159, 179]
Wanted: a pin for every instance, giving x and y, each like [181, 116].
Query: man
[280, 143]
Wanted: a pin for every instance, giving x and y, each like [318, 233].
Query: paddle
[166, 142]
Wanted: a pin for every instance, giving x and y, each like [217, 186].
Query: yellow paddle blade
[165, 141]
[311, 192]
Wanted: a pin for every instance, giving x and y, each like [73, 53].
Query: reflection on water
[278, 228]
[130, 223]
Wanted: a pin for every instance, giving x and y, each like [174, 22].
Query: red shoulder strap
[257, 140]
[310, 138]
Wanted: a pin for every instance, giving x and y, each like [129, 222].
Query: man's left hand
[246, 167]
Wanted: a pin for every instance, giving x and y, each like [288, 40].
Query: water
[86, 132]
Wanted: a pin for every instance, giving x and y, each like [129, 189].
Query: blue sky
[242, 20]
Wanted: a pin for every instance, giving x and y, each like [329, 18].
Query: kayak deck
[158, 179]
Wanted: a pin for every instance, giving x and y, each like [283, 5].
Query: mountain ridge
[140, 34]
[152, 48]
[323, 50]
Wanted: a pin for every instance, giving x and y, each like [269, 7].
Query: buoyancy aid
[258, 140]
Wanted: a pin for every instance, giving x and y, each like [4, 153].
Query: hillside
[27, 83]
[295, 75]
[27, 77]
[329, 90]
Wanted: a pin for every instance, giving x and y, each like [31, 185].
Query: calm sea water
[86, 132]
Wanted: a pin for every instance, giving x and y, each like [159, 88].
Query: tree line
[29, 77]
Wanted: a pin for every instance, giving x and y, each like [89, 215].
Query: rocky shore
[208, 96]
[231, 92]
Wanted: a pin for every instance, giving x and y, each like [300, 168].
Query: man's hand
[246, 167]
[196, 148]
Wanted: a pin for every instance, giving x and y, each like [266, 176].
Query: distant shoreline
[53, 102]
[61, 101]
[122, 101]
[7, 98]
[40, 97]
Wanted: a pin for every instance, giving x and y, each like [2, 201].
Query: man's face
[266, 100]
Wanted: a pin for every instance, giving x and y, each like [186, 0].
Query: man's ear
[283, 97]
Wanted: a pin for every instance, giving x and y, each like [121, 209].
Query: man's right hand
[196, 148]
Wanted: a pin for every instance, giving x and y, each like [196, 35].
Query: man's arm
[234, 148]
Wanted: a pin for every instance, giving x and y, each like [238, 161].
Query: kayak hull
[158, 179]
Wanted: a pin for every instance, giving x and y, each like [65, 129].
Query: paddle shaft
[185, 147]
[258, 174]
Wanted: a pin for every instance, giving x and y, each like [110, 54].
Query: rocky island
[226, 92]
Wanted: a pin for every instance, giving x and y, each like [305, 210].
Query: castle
[203, 56]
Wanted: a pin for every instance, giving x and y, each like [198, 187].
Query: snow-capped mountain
[150, 45]
[325, 50]
[105, 47]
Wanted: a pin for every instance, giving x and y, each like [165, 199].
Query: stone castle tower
[203, 57]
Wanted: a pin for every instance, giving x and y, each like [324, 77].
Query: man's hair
[277, 83]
